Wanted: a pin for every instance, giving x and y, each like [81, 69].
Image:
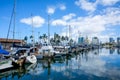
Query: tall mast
[14, 12]
[32, 31]
[69, 32]
[11, 18]
[48, 28]
[66, 30]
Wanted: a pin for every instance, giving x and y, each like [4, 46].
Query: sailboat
[5, 61]
[21, 56]
[47, 49]
[31, 58]
[34, 51]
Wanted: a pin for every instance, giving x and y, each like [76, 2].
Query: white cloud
[36, 21]
[51, 10]
[86, 5]
[59, 22]
[91, 25]
[62, 7]
[95, 69]
[64, 20]
[113, 16]
[69, 16]
[108, 2]
[92, 6]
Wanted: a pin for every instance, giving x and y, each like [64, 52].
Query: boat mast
[32, 31]
[14, 12]
[69, 32]
[11, 18]
[48, 28]
[12, 15]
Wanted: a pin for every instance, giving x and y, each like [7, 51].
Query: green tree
[31, 37]
[66, 38]
[44, 37]
[52, 41]
[40, 37]
[62, 38]
[25, 39]
[57, 38]
[71, 41]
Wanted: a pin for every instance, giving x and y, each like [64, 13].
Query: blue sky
[88, 17]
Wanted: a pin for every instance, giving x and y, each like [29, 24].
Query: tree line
[55, 40]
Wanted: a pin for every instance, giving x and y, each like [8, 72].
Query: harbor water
[98, 64]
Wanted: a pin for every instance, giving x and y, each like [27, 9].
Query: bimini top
[18, 46]
[4, 52]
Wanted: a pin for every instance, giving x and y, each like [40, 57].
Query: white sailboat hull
[31, 59]
[5, 64]
[46, 50]
[39, 56]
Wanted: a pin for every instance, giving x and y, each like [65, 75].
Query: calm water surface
[102, 64]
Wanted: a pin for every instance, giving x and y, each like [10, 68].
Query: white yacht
[34, 51]
[5, 61]
[46, 49]
[22, 56]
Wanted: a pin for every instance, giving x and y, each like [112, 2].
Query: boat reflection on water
[88, 65]
[118, 51]
[36, 69]
[13, 73]
[112, 50]
[59, 58]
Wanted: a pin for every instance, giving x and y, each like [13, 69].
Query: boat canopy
[4, 52]
[18, 46]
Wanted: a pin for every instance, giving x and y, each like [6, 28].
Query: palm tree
[31, 37]
[52, 41]
[62, 38]
[25, 39]
[44, 37]
[66, 38]
[57, 38]
[71, 41]
[40, 37]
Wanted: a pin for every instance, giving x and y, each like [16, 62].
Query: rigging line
[9, 25]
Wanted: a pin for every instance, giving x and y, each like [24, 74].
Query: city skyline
[90, 18]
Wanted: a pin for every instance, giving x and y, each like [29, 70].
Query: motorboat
[34, 51]
[46, 49]
[18, 57]
[22, 56]
[58, 58]
[5, 60]
[31, 59]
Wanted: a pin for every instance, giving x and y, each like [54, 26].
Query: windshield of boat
[21, 51]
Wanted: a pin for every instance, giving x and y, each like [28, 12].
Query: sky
[88, 18]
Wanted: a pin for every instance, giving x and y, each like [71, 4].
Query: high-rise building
[111, 40]
[81, 40]
[86, 41]
[95, 41]
[118, 40]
